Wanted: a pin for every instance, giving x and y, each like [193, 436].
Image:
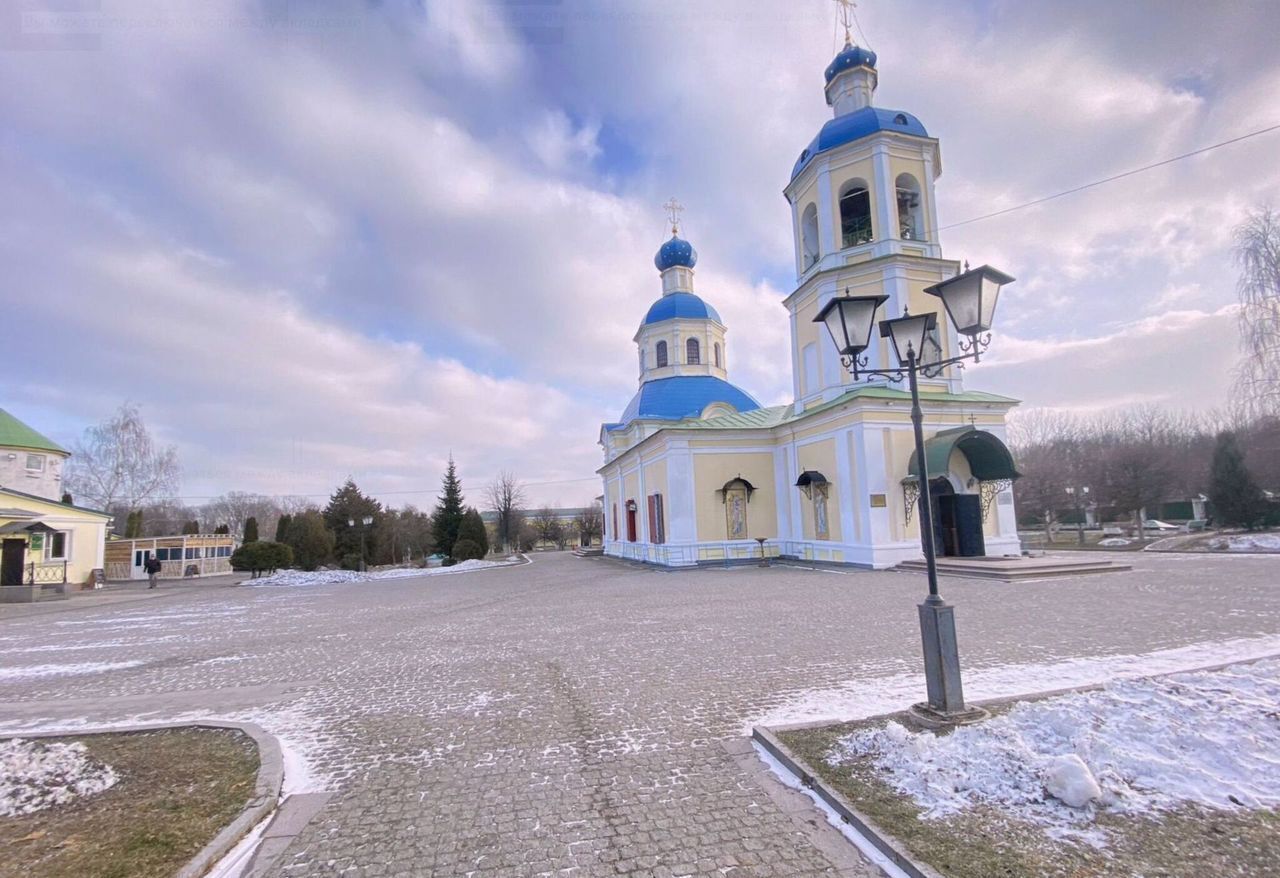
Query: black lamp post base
[936, 719]
[941, 657]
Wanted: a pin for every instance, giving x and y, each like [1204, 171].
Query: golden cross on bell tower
[846, 18]
[674, 209]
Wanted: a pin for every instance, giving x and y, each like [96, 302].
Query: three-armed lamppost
[366, 521]
[970, 300]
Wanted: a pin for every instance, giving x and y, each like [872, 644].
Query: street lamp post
[970, 300]
[1079, 495]
[366, 522]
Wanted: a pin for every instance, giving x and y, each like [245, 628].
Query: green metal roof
[989, 458]
[15, 434]
[784, 414]
[58, 503]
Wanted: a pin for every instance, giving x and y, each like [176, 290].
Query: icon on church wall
[820, 527]
[735, 502]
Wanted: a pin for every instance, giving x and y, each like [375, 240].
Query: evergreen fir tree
[1236, 497]
[191, 527]
[473, 530]
[310, 540]
[222, 529]
[133, 525]
[349, 504]
[282, 528]
[251, 529]
[447, 518]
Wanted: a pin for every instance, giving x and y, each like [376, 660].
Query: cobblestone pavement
[574, 716]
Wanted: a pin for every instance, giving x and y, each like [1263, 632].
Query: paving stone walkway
[574, 716]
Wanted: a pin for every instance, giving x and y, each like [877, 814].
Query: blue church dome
[856, 125]
[675, 252]
[675, 305]
[850, 57]
[685, 396]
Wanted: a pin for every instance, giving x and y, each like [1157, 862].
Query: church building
[697, 471]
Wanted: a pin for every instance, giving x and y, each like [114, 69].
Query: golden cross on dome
[674, 209]
[846, 17]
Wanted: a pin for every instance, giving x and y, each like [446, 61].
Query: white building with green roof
[30, 461]
[45, 544]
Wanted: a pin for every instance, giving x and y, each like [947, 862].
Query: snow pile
[1137, 747]
[1114, 541]
[332, 577]
[35, 775]
[1247, 543]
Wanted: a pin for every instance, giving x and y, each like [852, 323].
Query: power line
[1110, 179]
[398, 493]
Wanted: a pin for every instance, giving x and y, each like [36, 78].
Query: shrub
[467, 550]
[350, 562]
[259, 557]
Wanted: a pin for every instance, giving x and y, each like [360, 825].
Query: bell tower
[864, 219]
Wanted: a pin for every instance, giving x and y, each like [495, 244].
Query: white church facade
[696, 471]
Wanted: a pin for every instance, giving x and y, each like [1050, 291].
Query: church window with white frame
[693, 352]
[660, 352]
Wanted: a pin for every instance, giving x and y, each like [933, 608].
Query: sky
[319, 239]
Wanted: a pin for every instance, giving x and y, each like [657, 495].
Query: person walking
[153, 568]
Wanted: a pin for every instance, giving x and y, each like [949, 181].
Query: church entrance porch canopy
[989, 458]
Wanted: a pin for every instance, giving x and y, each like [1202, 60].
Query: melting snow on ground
[1136, 747]
[19, 673]
[1247, 543]
[331, 577]
[35, 775]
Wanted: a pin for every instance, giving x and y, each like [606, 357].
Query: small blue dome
[856, 125]
[850, 56]
[675, 252]
[685, 305]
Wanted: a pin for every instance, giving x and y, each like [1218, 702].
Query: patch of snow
[863, 698]
[1136, 747]
[35, 775]
[1068, 779]
[1115, 541]
[22, 673]
[1247, 543]
[333, 577]
[236, 862]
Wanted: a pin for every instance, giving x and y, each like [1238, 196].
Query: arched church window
[855, 214]
[660, 353]
[716, 348]
[692, 352]
[910, 215]
[809, 236]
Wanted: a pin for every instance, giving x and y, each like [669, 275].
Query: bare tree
[547, 526]
[506, 496]
[591, 523]
[234, 508]
[117, 464]
[1257, 253]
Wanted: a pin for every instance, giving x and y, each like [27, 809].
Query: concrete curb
[882, 841]
[266, 790]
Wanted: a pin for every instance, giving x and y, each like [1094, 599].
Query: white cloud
[309, 251]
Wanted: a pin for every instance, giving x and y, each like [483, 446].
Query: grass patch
[986, 843]
[178, 788]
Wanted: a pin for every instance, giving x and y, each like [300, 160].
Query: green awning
[989, 458]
